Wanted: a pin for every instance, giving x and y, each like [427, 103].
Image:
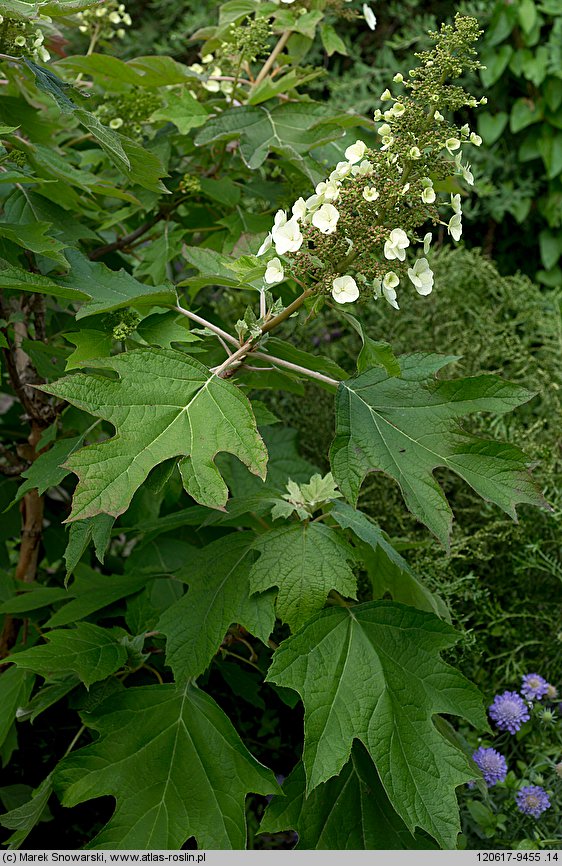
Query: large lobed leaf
[407, 426]
[87, 650]
[164, 404]
[348, 812]
[389, 572]
[305, 561]
[373, 673]
[100, 288]
[175, 766]
[219, 595]
[291, 129]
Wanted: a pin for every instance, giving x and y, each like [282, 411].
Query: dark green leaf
[388, 571]
[92, 591]
[165, 404]
[373, 673]
[351, 811]
[175, 766]
[218, 596]
[305, 561]
[109, 290]
[87, 650]
[24, 818]
[406, 427]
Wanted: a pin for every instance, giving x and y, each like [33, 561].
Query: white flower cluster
[320, 211]
[114, 17]
[32, 40]
[213, 84]
[451, 144]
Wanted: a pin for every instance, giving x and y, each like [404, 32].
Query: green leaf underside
[88, 650]
[24, 818]
[388, 571]
[292, 129]
[92, 591]
[407, 426]
[107, 289]
[175, 766]
[219, 595]
[46, 471]
[305, 561]
[348, 812]
[374, 673]
[16, 688]
[94, 529]
[165, 404]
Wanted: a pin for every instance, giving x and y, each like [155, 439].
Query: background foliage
[126, 172]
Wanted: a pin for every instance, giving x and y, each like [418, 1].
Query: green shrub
[501, 579]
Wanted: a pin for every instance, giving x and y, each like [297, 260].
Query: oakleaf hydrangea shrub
[181, 559]
[520, 806]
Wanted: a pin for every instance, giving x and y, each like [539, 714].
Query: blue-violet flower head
[492, 765]
[532, 800]
[534, 687]
[509, 711]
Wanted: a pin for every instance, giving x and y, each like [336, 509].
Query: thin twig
[224, 345]
[284, 38]
[126, 240]
[228, 338]
[296, 368]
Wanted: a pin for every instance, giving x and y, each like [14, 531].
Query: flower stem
[283, 39]
[228, 338]
[296, 368]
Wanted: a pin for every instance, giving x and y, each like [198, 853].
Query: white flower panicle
[369, 211]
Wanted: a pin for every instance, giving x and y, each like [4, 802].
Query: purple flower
[532, 800]
[534, 687]
[509, 711]
[492, 765]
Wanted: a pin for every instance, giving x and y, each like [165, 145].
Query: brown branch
[23, 374]
[31, 508]
[125, 241]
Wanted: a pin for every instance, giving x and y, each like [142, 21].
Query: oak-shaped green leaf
[47, 470]
[164, 404]
[388, 571]
[219, 595]
[373, 673]
[407, 426]
[348, 812]
[107, 289]
[291, 129]
[87, 650]
[183, 110]
[175, 766]
[91, 591]
[305, 561]
[12, 277]
[33, 236]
